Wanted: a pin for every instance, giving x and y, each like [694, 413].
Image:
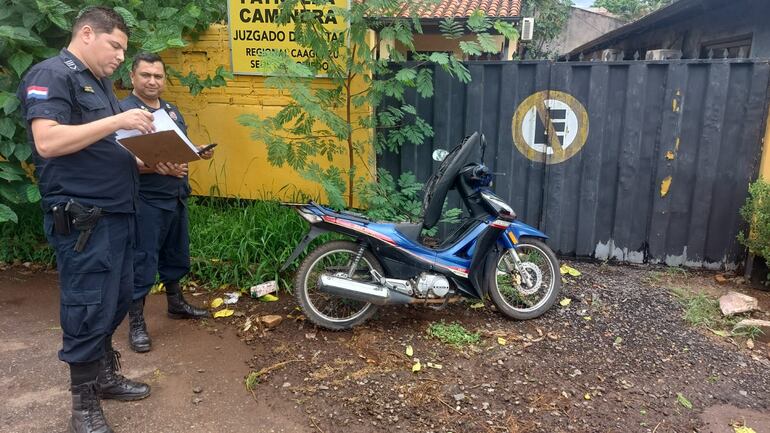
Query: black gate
[634, 161]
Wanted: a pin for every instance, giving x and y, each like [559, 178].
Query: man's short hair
[101, 19]
[144, 56]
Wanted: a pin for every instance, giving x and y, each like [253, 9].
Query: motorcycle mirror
[440, 154]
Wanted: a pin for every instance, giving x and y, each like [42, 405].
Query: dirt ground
[187, 355]
[618, 358]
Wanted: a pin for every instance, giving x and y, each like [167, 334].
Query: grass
[243, 242]
[453, 334]
[669, 274]
[252, 380]
[233, 243]
[703, 311]
[700, 309]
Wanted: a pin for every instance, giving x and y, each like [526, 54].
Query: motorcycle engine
[432, 286]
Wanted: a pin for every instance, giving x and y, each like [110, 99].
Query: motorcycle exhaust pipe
[364, 292]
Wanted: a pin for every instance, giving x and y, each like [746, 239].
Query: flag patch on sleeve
[37, 92]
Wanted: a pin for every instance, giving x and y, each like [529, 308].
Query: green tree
[632, 9]
[32, 30]
[550, 18]
[335, 118]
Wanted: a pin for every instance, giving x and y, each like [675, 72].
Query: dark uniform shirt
[160, 190]
[103, 174]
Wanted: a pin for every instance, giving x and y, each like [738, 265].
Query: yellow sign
[254, 31]
[550, 126]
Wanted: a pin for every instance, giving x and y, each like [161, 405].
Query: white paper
[162, 122]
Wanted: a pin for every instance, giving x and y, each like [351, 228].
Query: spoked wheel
[527, 289]
[324, 309]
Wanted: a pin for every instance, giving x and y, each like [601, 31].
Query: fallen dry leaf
[224, 313]
[417, 366]
[565, 269]
[216, 302]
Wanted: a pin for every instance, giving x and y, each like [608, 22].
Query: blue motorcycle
[492, 255]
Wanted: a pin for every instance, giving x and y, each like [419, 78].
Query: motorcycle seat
[354, 217]
[410, 231]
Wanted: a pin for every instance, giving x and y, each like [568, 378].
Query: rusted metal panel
[669, 150]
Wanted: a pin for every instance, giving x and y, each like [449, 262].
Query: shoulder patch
[37, 92]
[70, 64]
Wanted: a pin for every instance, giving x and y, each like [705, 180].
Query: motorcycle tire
[505, 286]
[317, 309]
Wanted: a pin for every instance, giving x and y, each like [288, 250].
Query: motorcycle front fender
[486, 248]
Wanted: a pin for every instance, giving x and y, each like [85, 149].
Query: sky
[583, 3]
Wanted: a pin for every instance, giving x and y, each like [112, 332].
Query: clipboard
[167, 144]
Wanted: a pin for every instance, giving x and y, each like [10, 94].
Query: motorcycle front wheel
[324, 309]
[528, 289]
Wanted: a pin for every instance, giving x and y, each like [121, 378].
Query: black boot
[138, 338]
[115, 386]
[178, 308]
[87, 415]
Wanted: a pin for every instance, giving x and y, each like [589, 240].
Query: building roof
[598, 11]
[464, 8]
[676, 11]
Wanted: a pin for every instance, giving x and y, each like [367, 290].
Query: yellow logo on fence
[550, 126]
[254, 31]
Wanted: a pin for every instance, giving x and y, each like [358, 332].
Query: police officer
[164, 244]
[88, 186]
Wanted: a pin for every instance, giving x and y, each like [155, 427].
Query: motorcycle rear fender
[314, 232]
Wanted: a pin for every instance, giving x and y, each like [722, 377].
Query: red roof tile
[464, 8]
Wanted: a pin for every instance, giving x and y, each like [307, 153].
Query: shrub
[756, 211]
[25, 241]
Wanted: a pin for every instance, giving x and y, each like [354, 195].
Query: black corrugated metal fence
[635, 161]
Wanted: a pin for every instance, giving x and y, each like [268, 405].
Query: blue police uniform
[96, 283]
[163, 244]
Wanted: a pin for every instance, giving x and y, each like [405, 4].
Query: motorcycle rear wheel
[326, 310]
[507, 288]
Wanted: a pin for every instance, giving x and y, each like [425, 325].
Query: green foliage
[756, 211]
[550, 18]
[31, 31]
[399, 201]
[453, 334]
[632, 9]
[322, 121]
[25, 241]
[196, 85]
[242, 242]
